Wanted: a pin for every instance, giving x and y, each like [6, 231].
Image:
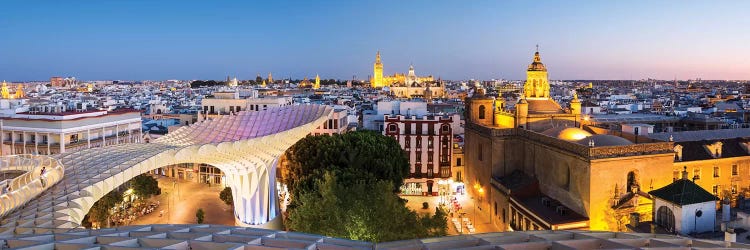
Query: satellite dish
[698, 213]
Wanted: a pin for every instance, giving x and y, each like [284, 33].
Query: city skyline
[484, 40]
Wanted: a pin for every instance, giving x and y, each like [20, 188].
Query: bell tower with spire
[317, 82]
[377, 73]
[537, 84]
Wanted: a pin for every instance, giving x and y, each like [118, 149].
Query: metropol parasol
[244, 146]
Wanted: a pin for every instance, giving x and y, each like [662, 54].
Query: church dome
[605, 140]
[537, 65]
[567, 133]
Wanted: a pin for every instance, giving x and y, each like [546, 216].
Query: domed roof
[605, 140]
[567, 133]
[537, 65]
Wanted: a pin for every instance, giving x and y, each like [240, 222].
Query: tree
[100, 211]
[357, 156]
[360, 211]
[144, 186]
[200, 215]
[226, 196]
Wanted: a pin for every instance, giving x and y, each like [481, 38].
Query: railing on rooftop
[30, 184]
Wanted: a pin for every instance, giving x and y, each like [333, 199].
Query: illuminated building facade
[378, 80]
[536, 167]
[428, 141]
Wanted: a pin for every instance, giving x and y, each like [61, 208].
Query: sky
[157, 40]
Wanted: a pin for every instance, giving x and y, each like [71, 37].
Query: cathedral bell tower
[317, 82]
[377, 73]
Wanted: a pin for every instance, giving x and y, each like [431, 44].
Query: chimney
[684, 173]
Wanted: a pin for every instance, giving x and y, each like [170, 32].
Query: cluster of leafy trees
[345, 186]
[144, 186]
[100, 211]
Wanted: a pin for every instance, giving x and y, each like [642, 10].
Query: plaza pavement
[481, 226]
[185, 201]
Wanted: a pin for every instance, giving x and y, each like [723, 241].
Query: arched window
[665, 218]
[481, 111]
[392, 128]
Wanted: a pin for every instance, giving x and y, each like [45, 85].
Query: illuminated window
[697, 173]
[715, 190]
[716, 171]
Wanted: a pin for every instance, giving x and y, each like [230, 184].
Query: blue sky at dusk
[338, 39]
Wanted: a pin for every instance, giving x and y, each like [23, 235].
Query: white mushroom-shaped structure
[244, 146]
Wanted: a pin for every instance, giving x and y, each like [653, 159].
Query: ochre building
[537, 167]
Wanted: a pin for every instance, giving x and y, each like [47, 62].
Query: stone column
[62, 143]
[36, 142]
[23, 140]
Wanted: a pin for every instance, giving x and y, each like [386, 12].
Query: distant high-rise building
[56, 81]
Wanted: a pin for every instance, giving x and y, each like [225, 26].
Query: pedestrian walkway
[182, 199]
[481, 224]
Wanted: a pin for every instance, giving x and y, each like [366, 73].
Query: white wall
[685, 220]
[701, 224]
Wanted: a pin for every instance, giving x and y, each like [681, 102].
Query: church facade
[536, 167]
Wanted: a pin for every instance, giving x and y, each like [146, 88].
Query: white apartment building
[337, 124]
[224, 103]
[60, 132]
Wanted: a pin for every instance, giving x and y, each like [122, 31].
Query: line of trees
[345, 186]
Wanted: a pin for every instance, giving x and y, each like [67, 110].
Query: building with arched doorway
[684, 207]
